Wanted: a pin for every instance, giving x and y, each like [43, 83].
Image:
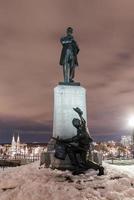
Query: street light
[131, 122]
[131, 125]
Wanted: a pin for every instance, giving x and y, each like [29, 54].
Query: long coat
[66, 42]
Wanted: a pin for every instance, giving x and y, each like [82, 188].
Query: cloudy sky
[29, 63]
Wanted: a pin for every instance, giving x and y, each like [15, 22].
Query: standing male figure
[68, 57]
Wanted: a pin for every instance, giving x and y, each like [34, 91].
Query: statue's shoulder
[62, 38]
[67, 38]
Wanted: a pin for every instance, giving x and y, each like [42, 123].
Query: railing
[17, 160]
[25, 157]
[120, 160]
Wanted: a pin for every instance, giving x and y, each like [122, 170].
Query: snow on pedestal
[65, 99]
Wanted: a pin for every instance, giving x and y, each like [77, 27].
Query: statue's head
[69, 31]
[76, 123]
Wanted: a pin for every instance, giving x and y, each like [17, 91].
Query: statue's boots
[71, 80]
[101, 171]
[95, 166]
[78, 171]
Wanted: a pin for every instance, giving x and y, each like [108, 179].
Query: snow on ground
[31, 183]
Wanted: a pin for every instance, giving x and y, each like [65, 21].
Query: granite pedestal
[66, 97]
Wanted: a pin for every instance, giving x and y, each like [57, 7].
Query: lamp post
[131, 125]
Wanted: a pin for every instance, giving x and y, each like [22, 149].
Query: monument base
[48, 158]
[70, 83]
[66, 97]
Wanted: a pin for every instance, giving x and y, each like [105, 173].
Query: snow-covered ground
[31, 183]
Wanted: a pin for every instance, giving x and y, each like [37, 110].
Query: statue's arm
[65, 40]
[83, 121]
[76, 47]
[61, 40]
[73, 139]
[80, 113]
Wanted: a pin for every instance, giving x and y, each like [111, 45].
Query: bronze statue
[77, 147]
[68, 57]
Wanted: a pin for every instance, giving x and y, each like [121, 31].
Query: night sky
[29, 64]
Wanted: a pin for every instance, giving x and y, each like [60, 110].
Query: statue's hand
[90, 139]
[78, 110]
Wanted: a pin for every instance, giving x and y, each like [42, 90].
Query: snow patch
[31, 183]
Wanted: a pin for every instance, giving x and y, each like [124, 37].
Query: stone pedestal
[97, 157]
[67, 97]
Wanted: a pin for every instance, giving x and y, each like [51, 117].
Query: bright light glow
[131, 122]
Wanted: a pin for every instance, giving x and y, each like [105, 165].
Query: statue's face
[69, 31]
[76, 122]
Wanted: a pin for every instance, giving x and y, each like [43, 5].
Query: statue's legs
[71, 151]
[72, 69]
[82, 164]
[66, 73]
[68, 68]
[72, 73]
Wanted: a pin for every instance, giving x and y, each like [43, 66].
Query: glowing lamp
[131, 122]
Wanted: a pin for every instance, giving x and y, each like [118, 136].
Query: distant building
[16, 149]
[126, 140]
[111, 143]
[16, 146]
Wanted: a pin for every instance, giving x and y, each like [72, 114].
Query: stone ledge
[49, 160]
[70, 84]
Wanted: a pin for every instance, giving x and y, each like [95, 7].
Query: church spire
[18, 139]
[18, 144]
[13, 146]
[13, 140]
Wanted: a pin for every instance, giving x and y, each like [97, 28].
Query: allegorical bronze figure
[77, 147]
[68, 57]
